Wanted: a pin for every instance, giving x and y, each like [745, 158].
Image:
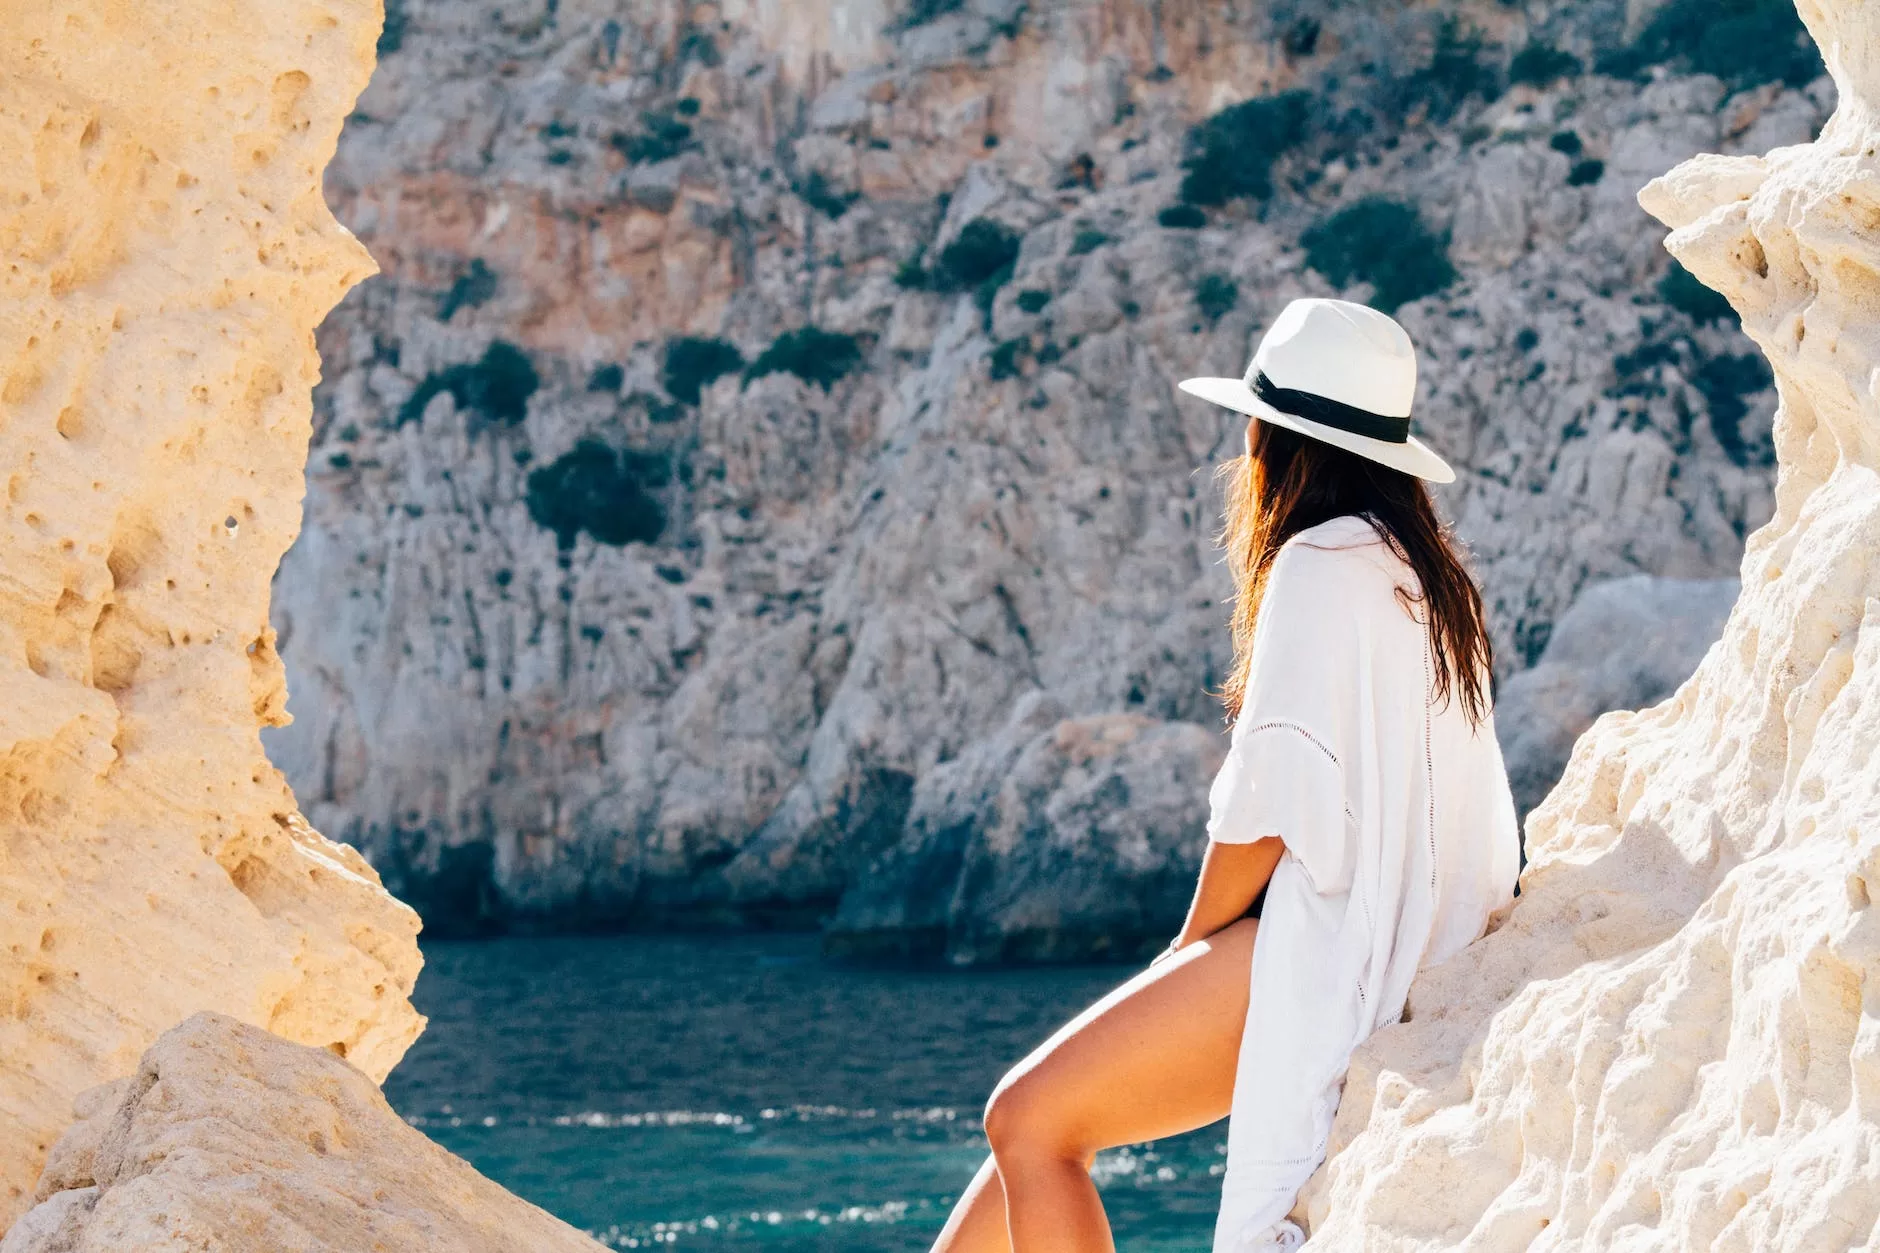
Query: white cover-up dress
[1400, 836]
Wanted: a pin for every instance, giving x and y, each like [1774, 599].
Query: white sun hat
[1338, 372]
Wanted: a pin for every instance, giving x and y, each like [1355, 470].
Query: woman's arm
[1232, 874]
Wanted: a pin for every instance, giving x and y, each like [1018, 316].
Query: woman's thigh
[1153, 1058]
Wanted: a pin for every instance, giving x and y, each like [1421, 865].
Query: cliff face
[167, 257]
[1673, 1041]
[590, 624]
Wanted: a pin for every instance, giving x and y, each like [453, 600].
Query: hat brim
[1412, 456]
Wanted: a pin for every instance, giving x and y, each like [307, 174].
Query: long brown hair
[1287, 482]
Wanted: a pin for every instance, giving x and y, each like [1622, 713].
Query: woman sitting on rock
[1360, 828]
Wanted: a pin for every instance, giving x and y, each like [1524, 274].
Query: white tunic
[1400, 837]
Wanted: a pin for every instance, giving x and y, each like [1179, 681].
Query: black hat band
[1328, 412]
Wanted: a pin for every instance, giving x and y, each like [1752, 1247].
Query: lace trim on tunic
[1287, 724]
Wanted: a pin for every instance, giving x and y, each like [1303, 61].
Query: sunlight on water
[737, 1092]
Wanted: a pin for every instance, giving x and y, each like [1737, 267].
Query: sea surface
[739, 1092]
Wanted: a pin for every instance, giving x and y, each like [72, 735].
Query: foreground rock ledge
[165, 254]
[229, 1138]
[1674, 1041]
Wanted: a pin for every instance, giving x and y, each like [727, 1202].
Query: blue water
[738, 1092]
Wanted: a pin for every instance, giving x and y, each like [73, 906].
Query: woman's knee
[1022, 1118]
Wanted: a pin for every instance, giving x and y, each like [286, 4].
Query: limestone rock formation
[1053, 838]
[759, 400]
[229, 1138]
[167, 254]
[1673, 1041]
[1622, 644]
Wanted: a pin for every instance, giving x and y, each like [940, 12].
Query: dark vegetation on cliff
[1744, 42]
[692, 363]
[595, 489]
[1384, 243]
[496, 387]
[811, 353]
[1232, 153]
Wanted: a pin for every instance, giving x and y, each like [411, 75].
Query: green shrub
[912, 276]
[661, 136]
[1183, 217]
[392, 34]
[1004, 359]
[1590, 170]
[982, 250]
[1457, 71]
[1232, 153]
[1539, 64]
[594, 489]
[1744, 42]
[1215, 294]
[1682, 290]
[920, 12]
[1566, 142]
[988, 291]
[1301, 38]
[606, 378]
[1527, 339]
[472, 288]
[497, 387]
[1087, 241]
[1033, 299]
[1382, 242]
[812, 354]
[557, 129]
[687, 106]
[819, 194]
[1724, 382]
[691, 363]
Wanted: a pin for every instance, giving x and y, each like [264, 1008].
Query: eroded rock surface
[532, 711]
[230, 1138]
[166, 256]
[1674, 1040]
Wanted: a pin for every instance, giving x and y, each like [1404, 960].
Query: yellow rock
[165, 254]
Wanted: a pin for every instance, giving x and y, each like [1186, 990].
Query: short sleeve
[1284, 772]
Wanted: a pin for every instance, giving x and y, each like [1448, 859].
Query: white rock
[1672, 1040]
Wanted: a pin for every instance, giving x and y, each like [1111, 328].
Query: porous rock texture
[228, 1139]
[590, 627]
[1673, 1041]
[166, 256]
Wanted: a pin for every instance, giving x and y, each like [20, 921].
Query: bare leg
[1152, 1059]
[977, 1223]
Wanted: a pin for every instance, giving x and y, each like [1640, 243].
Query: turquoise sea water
[738, 1092]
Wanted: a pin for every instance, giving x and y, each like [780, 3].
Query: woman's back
[1467, 811]
[1399, 831]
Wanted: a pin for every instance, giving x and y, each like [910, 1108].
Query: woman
[1362, 802]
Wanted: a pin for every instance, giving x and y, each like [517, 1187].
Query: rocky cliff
[758, 401]
[1674, 1040]
[167, 255]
